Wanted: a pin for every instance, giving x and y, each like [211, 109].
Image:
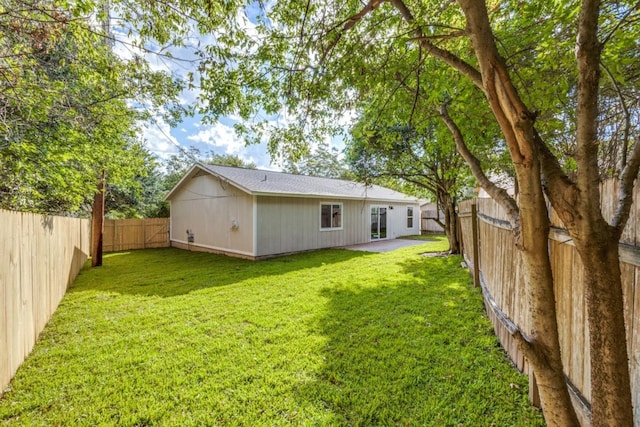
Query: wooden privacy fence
[429, 224]
[498, 269]
[40, 257]
[128, 234]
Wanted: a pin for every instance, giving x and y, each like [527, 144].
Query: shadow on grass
[170, 272]
[417, 352]
[425, 237]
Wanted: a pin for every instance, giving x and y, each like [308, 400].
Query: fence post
[459, 233]
[475, 243]
[97, 223]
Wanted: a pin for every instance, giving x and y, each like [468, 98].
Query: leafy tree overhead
[321, 160]
[64, 108]
[538, 67]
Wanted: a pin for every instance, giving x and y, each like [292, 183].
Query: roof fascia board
[208, 171]
[332, 196]
[184, 178]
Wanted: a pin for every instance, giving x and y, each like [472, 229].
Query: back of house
[255, 214]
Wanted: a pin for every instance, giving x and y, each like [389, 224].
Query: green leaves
[65, 108]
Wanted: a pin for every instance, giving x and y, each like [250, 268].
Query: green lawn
[328, 338]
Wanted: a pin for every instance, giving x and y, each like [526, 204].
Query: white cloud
[219, 135]
[158, 139]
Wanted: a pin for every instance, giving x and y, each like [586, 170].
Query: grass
[425, 237]
[329, 338]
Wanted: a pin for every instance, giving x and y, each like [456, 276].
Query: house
[255, 214]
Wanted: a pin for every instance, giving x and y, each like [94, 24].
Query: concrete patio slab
[385, 245]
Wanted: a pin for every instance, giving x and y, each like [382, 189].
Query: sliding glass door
[378, 222]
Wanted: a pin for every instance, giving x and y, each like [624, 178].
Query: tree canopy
[550, 86]
[66, 108]
[547, 90]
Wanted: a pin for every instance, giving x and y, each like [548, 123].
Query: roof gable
[263, 182]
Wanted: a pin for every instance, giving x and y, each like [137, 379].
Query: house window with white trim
[330, 216]
[409, 216]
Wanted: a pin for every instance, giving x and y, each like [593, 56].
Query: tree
[64, 109]
[321, 161]
[144, 200]
[417, 157]
[322, 59]
[228, 160]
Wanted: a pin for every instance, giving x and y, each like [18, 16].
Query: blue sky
[219, 138]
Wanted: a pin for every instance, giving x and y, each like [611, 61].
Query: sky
[220, 137]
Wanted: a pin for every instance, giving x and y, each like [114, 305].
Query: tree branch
[625, 193]
[498, 194]
[349, 23]
[627, 118]
[446, 56]
[620, 22]
[417, 91]
[560, 190]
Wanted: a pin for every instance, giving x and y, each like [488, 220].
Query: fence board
[41, 257]
[129, 234]
[503, 277]
[428, 221]
[635, 345]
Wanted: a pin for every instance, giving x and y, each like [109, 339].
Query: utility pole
[97, 224]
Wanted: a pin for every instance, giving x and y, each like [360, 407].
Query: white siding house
[256, 214]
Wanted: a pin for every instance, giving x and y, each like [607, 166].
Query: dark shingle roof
[263, 182]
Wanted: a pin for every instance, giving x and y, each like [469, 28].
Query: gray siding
[210, 207]
[291, 224]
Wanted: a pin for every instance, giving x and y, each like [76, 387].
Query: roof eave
[331, 196]
[210, 172]
[184, 177]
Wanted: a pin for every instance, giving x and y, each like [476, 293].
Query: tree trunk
[543, 347]
[97, 224]
[450, 222]
[531, 226]
[611, 403]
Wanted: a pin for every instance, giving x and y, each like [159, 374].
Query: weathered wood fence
[128, 234]
[497, 267]
[39, 258]
[429, 224]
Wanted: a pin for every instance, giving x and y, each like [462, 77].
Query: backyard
[326, 338]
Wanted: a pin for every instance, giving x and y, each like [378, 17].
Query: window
[409, 216]
[330, 216]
